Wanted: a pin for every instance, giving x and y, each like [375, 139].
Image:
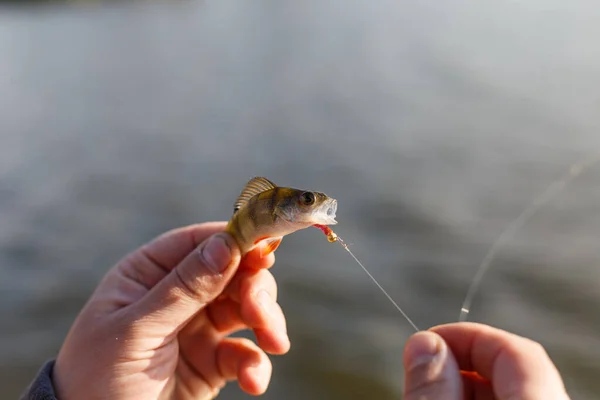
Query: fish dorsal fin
[254, 186]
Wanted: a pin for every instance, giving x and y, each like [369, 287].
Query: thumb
[190, 286]
[431, 372]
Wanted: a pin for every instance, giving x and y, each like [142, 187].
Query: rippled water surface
[434, 124]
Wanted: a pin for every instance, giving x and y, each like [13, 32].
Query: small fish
[265, 212]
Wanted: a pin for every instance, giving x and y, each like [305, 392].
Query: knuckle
[267, 281]
[257, 280]
[190, 286]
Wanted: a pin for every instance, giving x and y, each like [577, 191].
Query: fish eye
[307, 198]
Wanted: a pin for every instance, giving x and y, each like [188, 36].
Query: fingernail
[423, 349]
[261, 373]
[215, 254]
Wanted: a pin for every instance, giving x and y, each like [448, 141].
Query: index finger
[170, 248]
[518, 367]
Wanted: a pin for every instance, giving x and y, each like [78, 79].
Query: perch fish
[265, 213]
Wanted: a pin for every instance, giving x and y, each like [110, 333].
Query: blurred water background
[434, 124]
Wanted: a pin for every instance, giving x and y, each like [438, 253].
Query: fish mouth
[325, 215]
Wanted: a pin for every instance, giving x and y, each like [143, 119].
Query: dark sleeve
[41, 388]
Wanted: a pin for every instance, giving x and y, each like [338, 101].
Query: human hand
[157, 324]
[518, 368]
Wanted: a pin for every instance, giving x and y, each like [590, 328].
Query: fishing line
[551, 191]
[341, 242]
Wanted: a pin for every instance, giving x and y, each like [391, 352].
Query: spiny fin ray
[254, 186]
